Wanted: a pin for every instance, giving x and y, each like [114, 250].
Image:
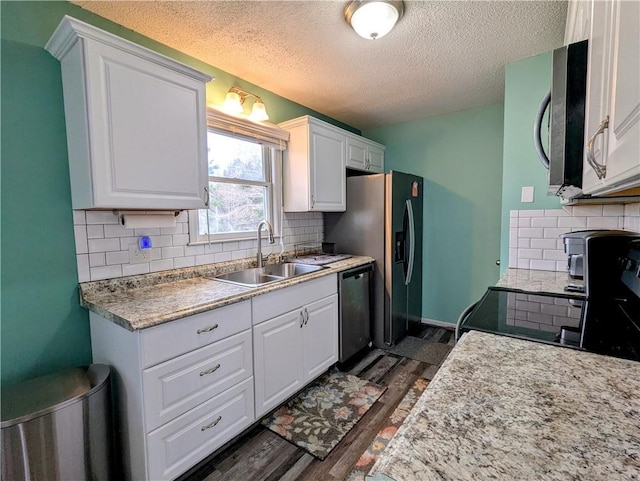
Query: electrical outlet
[137, 255]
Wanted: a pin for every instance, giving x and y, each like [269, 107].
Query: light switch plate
[527, 194]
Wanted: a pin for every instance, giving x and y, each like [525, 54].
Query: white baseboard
[436, 323]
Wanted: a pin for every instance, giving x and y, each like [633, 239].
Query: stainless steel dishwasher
[355, 310]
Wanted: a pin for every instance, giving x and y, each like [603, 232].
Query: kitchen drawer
[173, 387]
[272, 304]
[172, 339]
[183, 442]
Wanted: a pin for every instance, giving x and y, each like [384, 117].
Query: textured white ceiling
[443, 56]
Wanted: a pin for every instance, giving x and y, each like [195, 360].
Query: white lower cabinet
[292, 349]
[186, 387]
[183, 388]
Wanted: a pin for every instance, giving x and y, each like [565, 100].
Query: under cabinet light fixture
[373, 19]
[233, 104]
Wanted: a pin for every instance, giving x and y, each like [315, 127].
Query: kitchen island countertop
[505, 408]
[530, 280]
[139, 302]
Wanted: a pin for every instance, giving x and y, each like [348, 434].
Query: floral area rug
[321, 415]
[370, 456]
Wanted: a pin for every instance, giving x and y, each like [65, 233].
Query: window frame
[272, 169]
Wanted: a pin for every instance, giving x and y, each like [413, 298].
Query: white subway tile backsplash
[632, 209]
[531, 213]
[542, 265]
[603, 222]
[170, 252]
[116, 230]
[544, 244]
[533, 233]
[101, 217]
[135, 269]
[205, 259]
[103, 244]
[222, 257]
[554, 232]
[529, 253]
[107, 272]
[615, 210]
[544, 222]
[146, 231]
[570, 222]
[118, 257]
[80, 236]
[161, 265]
[95, 231]
[97, 260]
[526, 241]
[84, 274]
[180, 262]
[79, 217]
[524, 222]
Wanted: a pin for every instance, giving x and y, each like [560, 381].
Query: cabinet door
[278, 369]
[148, 133]
[623, 159]
[356, 154]
[598, 89]
[327, 170]
[320, 336]
[376, 159]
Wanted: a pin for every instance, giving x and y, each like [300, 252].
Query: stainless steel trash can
[58, 427]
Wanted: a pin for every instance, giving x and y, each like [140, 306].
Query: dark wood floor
[261, 455]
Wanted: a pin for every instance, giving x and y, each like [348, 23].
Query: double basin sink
[259, 276]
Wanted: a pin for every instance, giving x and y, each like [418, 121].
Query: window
[243, 190]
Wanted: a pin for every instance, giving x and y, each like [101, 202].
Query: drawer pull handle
[210, 371]
[212, 425]
[306, 316]
[207, 329]
[301, 319]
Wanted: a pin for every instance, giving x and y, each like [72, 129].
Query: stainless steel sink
[260, 276]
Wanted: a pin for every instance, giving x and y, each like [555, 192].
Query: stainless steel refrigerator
[384, 220]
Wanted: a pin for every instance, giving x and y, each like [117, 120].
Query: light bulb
[373, 20]
[232, 104]
[259, 112]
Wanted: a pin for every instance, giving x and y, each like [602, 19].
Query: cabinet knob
[599, 169]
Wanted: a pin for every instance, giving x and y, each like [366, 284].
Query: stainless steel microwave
[566, 120]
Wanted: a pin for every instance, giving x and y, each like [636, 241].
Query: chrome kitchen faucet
[271, 239]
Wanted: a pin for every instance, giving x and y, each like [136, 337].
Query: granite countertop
[505, 408]
[139, 302]
[538, 281]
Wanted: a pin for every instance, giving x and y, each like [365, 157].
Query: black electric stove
[605, 321]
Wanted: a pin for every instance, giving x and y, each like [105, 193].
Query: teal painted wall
[526, 83]
[460, 157]
[43, 327]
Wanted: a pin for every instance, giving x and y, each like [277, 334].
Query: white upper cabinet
[364, 154]
[612, 131]
[314, 167]
[136, 122]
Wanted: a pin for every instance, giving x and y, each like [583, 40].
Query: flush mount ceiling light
[235, 99]
[373, 19]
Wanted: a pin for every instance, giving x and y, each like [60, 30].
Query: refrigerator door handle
[412, 242]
